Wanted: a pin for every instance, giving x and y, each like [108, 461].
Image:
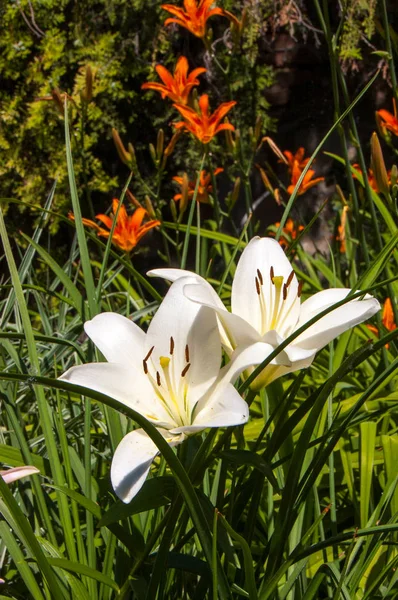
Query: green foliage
[359, 23]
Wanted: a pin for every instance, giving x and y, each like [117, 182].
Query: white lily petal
[268, 309]
[337, 321]
[132, 460]
[119, 339]
[234, 331]
[189, 325]
[174, 274]
[11, 475]
[126, 384]
[224, 410]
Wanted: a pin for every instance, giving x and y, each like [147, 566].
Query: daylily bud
[277, 196]
[152, 152]
[160, 144]
[133, 199]
[234, 194]
[124, 156]
[275, 149]
[173, 210]
[378, 166]
[184, 194]
[265, 180]
[87, 93]
[170, 148]
[149, 207]
[132, 152]
[394, 175]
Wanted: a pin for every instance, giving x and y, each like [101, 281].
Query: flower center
[275, 305]
[170, 387]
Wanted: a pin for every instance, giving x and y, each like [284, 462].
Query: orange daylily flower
[289, 232]
[371, 177]
[203, 125]
[204, 188]
[387, 319]
[194, 17]
[297, 158]
[128, 229]
[386, 120]
[177, 87]
[308, 181]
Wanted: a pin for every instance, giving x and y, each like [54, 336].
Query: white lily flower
[11, 475]
[171, 375]
[266, 309]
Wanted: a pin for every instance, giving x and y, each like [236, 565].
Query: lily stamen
[171, 346]
[185, 370]
[187, 353]
[300, 288]
[260, 277]
[158, 379]
[257, 286]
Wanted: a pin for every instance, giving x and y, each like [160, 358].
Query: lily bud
[234, 194]
[160, 144]
[124, 156]
[173, 210]
[149, 207]
[184, 194]
[170, 148]
[378, 166]
[87, 93]
[152, 152]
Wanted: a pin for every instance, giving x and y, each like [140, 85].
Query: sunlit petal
[132, 460]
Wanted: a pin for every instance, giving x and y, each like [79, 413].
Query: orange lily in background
[371, 177]
[177, 87]
[386, 120]
[194, 17]
[308, 181]
[202, 125]
[297, 158]
[387, 319]
[289, 232]
[204, 188]
[128, 229]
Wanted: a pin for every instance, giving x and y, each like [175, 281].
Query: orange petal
[221, 111]
[204, 105]
[137, 218]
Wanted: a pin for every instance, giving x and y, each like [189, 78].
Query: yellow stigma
[164, 361]
[277, 280]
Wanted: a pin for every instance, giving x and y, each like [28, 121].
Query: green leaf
[154, 493]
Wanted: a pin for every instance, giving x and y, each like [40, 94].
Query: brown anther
[145, 367]
[284, 291]
[257, 286]
[171, 345]
[272, 274]
[299, 289]
[149, 354]
[289, 279]
[185, 370]
[260, 277]
[158, 378]
[187, 353]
